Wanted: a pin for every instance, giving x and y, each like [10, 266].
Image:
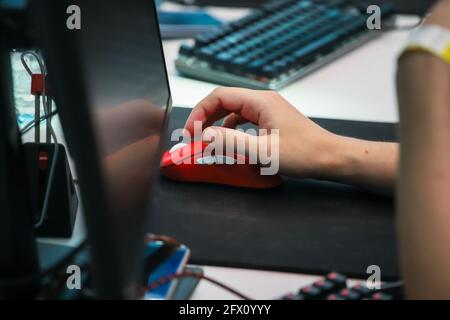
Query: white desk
[358, 86]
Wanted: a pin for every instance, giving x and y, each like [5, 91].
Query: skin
[423, 83]
[423, 188]
[324, 155]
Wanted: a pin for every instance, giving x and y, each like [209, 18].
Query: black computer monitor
[111, 90]
[18, 258]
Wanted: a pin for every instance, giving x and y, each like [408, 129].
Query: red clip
[37, 81]
[43, 160]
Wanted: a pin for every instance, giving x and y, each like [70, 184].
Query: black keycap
[280, 64]
[222, 45]
[326, 287]
[186, 50]
[349, 294]
[256, 66]
[206, 54]
[363, 291]
[339, 280]
[334, 297]
[381, 296]
[238, 64]
[223, 59]
[289, 296]
[203, 40]
[308, 53]
[310, 293]
[269, 71]
[293, 296]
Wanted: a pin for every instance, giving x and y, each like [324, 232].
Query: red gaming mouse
[185, 162]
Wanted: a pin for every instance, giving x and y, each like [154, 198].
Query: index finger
[223, 101]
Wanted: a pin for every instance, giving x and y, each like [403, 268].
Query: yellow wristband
[431, 39]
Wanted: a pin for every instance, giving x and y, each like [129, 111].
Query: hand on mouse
[303, 145]
[305, 149]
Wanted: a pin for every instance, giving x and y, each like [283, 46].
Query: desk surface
[358, 86]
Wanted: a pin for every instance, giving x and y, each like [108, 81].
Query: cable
[391, 285]
[52, 132]
[25, 64]
[30, 125]
[184, 274]
[189, 274]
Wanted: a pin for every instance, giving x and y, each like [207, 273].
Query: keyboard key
[326, 287]
[363, 291]
[256, 66]
[334, 287]
[206, 54]
[223, 59]
[334, 297]
[239, 62]
[349, 294]
[186, 50]
[339, 280]
[269, 71]
[310, 293]
[381, 296]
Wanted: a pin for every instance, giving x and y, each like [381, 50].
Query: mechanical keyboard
[334, 287]
[278, 43]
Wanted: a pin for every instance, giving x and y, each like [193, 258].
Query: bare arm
[305, 149]
[423, 83]
[372, 165]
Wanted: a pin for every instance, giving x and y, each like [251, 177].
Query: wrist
[338, 161]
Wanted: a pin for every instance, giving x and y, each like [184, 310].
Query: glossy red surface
[182, 165]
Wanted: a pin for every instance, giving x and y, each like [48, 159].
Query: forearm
[368, 164]
[424, 176]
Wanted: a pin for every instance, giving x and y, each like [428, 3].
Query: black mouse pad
[303, 226]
